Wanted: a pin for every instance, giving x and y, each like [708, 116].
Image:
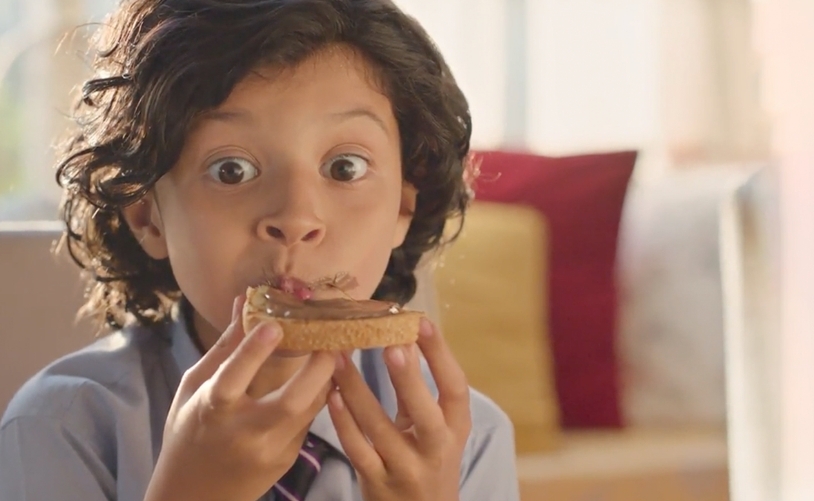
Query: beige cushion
[492, 309]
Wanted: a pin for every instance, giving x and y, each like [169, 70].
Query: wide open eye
[232, 170]
[345, 168]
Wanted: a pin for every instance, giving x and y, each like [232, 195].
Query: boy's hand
[417, 458]
[219, 443]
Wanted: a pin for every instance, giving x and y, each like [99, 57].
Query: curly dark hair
[160, 63]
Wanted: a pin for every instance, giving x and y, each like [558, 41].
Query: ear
[406, 211]
[144, 220]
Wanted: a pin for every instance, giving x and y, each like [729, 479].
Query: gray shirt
[89, 426]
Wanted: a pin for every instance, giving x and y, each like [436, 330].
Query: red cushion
[582, 198]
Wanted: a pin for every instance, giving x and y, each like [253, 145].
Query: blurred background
[648, 166]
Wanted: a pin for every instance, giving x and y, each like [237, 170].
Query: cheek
[195, 234]
[368, 241]
[205, 249]
[372, 269]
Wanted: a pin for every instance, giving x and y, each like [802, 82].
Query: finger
[367, 412]
[453, 389]
[414, 394]
[402, 421]
[306, 392]
[232, 380]
[209, 363]
[361, 453]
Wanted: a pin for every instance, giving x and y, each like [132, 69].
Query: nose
[295, 217]
[291, 231]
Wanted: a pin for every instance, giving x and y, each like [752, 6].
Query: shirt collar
[186, 354]
[183, 349]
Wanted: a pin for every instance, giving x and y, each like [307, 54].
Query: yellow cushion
[492, 302]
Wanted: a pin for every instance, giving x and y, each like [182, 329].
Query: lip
[307, 289]
[290, 284]
[296, 287]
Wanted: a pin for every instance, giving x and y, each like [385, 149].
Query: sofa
[671, 442]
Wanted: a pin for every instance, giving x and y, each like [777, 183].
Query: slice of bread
[333, 334]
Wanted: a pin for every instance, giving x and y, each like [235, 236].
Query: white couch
[750, 254]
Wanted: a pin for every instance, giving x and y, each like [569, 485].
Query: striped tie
[294, 485]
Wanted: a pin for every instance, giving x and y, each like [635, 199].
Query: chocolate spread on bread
[282, 304]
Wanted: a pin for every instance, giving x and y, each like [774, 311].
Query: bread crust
[338, 334]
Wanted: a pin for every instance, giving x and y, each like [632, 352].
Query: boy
[222, 142]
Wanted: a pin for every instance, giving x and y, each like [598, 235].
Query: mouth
[305, 289]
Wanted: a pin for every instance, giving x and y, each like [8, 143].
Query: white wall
[593, 74]
[676, 79]
[471, 35]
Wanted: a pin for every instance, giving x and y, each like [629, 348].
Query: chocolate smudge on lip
[341, 281]
[301, 289]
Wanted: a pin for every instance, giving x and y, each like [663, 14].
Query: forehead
[336, 75]
[337, 59]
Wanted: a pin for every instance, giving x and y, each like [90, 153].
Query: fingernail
[235, 308]
[340, 362]
[425, 328]
[397, 356]
[336, 400]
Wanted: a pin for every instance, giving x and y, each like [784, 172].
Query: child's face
[297, 174]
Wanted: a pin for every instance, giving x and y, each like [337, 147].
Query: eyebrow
[361, 112]
[227, 116]
[245, 117]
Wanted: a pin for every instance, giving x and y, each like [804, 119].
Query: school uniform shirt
[89, 426]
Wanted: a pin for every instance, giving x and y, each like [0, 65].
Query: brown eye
[232, 170]
[345, 168]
